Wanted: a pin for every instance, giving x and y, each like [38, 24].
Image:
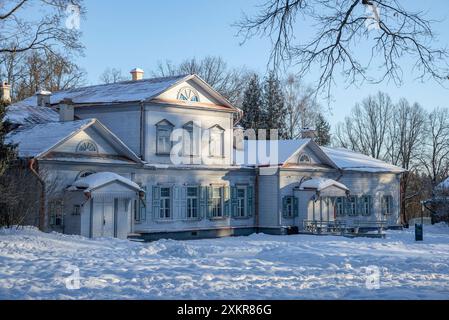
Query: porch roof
[97, 180]
[320, 184]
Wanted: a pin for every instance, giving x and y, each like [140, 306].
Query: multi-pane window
[76, 210]
[192, 202]
[351, 206]
[365, 205]
[87, 146]
[165, 212]
[216, 142]
[288, 206]
[56, 213]
[387, 205]
[190, 142]
[217, 206]
[241, 202]
[339, 205]
[163, 142]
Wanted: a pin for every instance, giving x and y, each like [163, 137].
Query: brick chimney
[43, 98]
[308, 133]
[5, 92]
[66, 111]
[137, 74]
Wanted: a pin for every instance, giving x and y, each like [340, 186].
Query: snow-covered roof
[96, 180]
[126, 91]
[335, 157]
[349, 160]
[34, 140]
[321, 184]
[248, 156]
[23, 115]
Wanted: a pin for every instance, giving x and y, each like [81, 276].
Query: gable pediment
[193, 91]
[92, 144]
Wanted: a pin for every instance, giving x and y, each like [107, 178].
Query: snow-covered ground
[45, 266]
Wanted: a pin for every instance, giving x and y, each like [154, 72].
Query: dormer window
[87, 146]
[188, 94]
[304, 158]
[216, 141]
[164, 129]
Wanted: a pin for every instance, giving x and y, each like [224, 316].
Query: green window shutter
[234, 202]
[226, 201]
[143, 205]
[370, 205]
[203, 201]
[156, 202]
[359, 206]
[295, 206]
[209, 201]
[250, 199]
[284, 207]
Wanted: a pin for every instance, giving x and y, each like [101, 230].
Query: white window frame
[88, 141]
[190, 207]
[217, 202]
[289, 213]
[353, 206]
[165, 204]
[245, 202]
[216, 131]
[164, 127]
[340, 206]
[192, 149]
[366, 208]
[387, 205]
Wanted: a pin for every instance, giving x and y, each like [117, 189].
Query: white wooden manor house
[107, 148]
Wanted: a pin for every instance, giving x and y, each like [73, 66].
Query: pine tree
[252, 104]
[323, 128]
[6, 151]
[274, 110]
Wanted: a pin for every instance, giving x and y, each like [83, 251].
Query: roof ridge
[155, 79]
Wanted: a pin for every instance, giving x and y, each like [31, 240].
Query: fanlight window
[84, 174]
[303, 158]
[188, 94]
[87, 146]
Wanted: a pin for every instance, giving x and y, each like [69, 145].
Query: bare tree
[435, 159]
[23, 199]
[45, 29]
[301, 106]
[214, 70]
[406, 144]
[396, 35]
[112, 75]
[46, 70]
[365, 130]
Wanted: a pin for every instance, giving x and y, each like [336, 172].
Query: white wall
[179, 117]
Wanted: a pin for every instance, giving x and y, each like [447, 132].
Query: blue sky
[138, 33]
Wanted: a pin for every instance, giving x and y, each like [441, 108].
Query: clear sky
[139, 33]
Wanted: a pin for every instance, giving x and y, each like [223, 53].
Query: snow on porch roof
[126, 91]
[99, 179]
[321, 184]
[353, 161]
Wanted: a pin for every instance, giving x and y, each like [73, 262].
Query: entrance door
[108, 218]
[103, 218]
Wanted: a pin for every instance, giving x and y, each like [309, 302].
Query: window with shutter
[192, 202]
[250, 199]
[287, 206]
